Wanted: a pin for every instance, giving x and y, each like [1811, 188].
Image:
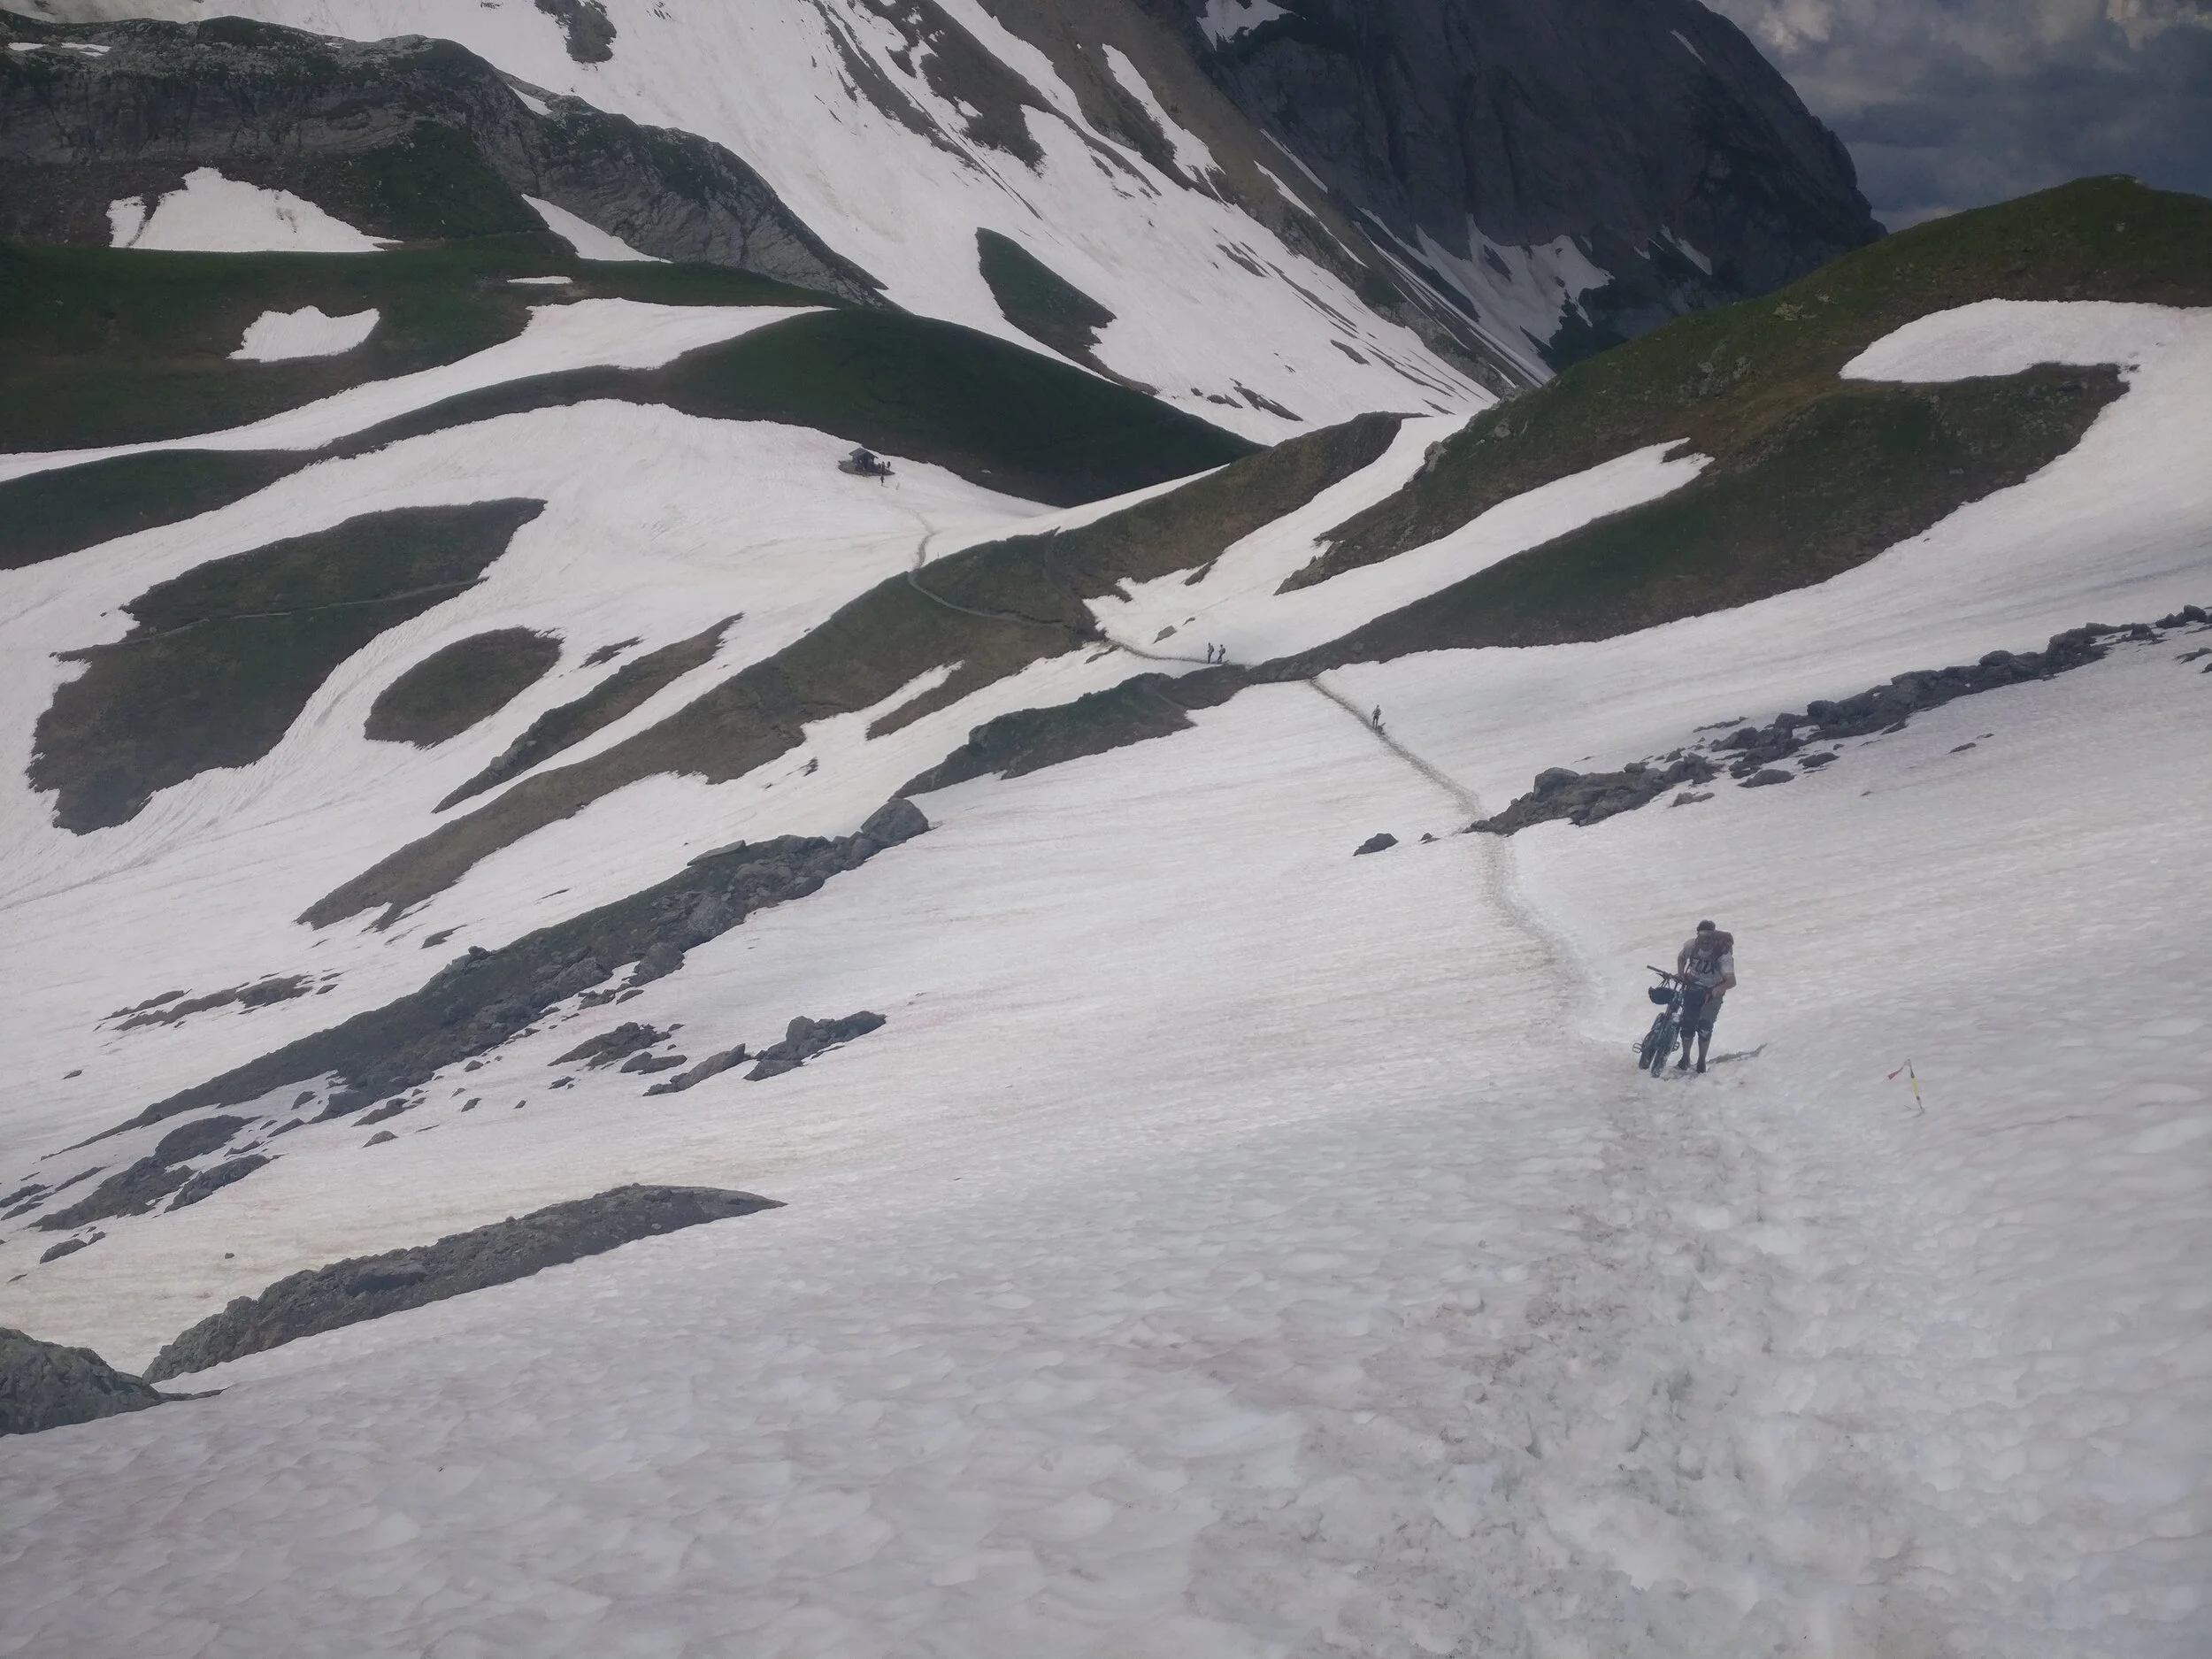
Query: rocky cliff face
[410, 139]
[1572, 172]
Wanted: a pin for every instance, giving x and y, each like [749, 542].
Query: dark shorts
[1700, 1010]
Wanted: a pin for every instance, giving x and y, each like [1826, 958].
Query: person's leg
[1693, 1021]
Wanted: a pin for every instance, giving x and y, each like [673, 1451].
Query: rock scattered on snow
[69, 1247]
[805, 1037]
[45, 1386]
[369, 1286]
[713, 1066]
[201, 1135]
[1584, 798]
[209, 1181]
[629, 1038]
[261, 995]
[1381, 843]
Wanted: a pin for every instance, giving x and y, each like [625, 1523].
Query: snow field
[1991, 1309]
[1394, 1319]
[280, 336]
[770, 83]
[1230, 1246]
[657, 526]
[213, 214]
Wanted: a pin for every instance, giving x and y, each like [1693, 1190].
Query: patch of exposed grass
[1041, 301]
[993, 413]
[1728, 381]
[106, 346]
[50, 514]
[570, 723]
[985, 613]
[1141, 708]
[225, 657]
[451, 689]
[1844, 477]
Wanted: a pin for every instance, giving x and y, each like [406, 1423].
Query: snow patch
[213, 214]
[1192, 157]
[1681, 245]
[2010, 336]
[1520, 295]
[278, 336]
[588, 240]
[1224, 20]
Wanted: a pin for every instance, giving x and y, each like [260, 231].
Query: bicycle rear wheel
[1660, 1044]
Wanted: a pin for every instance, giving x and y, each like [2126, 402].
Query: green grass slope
[1732, 382]
[452, 689]
[224, 657]
[104, 346]
[48, 514]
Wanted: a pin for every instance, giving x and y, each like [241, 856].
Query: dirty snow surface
[1228, 1247]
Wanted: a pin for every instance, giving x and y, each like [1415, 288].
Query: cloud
[1953, 105]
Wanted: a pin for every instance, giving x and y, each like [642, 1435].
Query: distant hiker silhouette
[1375, 719]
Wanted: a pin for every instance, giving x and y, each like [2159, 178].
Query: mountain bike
[1658, 1042]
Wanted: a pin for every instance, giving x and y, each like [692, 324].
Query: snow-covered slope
[1229, 1245]
[866, 140]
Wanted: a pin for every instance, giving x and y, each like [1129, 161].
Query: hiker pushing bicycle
[1689, 1000]
[1706, 967]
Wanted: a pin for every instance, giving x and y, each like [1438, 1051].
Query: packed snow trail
[1465, 797]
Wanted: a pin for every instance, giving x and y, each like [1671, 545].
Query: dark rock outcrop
[45, 1386]
[130, 1191]
[713, 1066]
[480, 999]
[1583, 798]
[629, 1038]
[1382, 843]
[209, 1181]
[1651, 133]
[805, 1037]
[135, 1190]
[1587, 798]
[412, 139]
[369, 1286]
[196, 1138]
[591, 32]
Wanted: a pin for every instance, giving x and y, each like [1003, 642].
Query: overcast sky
[1951, 103]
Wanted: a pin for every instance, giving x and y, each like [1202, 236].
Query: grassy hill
[1730, 383]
